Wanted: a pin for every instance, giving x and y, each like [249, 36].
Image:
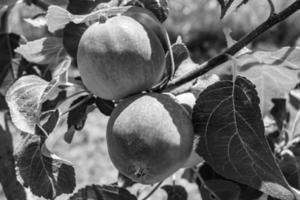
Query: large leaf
[105, 192]
[43, 172]
[274, 73]
[23, 99]
[47, 50]
[8, 179]
[229, 124]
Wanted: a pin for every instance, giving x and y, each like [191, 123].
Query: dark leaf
[225, 190]
[294, 97]
[3, 104]
[8, 42]
[78, 115]
[43, 172]
[175, 192]
[279, 112]
[97, 192]
[208, 173]
[289, 166]
[68, 137]
[227, 6]
[105, 106]
[51, 123]
[11, 186]
[80, 7]
[72, 34]
[52, 104]
[160, 8]
[228, 120]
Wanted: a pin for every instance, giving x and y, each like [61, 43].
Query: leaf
[175, 192]
[7, 2]
[11, 186]
[227, 6]
[225, 190]
[44, 51]
[47, 176]
[231, 42]
[8, 42]
[51, 123]
[180, 53]
[159, 8]
[24, 100]
[290, 168]
[274, 73]
[105, 106]
[78, 115]
[279, 112]
[229, 123]
[294, 97]
[3, 104]
[208, 173]
[52, 104]
[57, 17]
[104, 192]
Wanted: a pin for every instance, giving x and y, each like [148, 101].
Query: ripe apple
[120, 57]
[149, 137]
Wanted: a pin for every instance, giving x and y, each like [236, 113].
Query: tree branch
[214, 62]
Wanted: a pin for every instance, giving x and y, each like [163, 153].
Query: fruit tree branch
[214, 62]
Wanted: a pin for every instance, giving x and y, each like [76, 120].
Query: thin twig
[216, 61]
[272, 7]
[203, 184]
[153, 190]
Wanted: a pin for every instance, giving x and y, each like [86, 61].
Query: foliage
[244, 105]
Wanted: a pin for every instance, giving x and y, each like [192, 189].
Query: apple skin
[120, 57]
[149, 137]
[150, 21]
[188, 101]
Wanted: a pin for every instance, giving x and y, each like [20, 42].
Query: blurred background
[198, 23]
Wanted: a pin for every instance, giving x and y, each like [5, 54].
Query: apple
[120, 57]
[149, 137]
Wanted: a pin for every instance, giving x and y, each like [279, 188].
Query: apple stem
[153, 190]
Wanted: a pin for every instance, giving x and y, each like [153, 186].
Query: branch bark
[214, 62]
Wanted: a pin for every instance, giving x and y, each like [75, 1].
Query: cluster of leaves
[236, 120]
